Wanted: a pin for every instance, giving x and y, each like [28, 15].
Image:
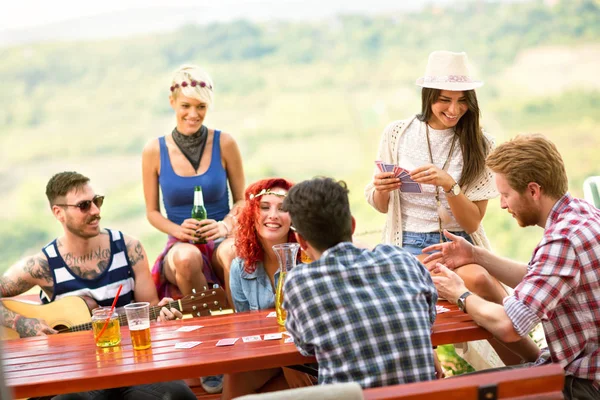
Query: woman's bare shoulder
[151, 147]
[228, 142]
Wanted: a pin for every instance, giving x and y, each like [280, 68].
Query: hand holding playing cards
[167, 314]
[453, 254]
[386, 182]
[432, 175]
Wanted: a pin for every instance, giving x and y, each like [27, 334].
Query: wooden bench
[545, 382]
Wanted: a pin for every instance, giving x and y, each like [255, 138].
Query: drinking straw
[112, 308]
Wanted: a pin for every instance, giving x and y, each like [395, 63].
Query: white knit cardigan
[388, 153]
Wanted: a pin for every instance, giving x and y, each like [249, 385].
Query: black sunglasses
[85, 205]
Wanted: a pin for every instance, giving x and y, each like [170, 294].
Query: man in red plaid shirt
[560, 287]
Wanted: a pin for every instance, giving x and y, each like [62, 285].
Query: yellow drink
[280, 311]
[140, 337]
[111, 335]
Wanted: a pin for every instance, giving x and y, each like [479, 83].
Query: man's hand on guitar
[167, 314]
[27, 327]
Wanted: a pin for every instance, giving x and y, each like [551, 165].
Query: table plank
[71, 362]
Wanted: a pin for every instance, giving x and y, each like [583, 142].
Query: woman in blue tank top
[192, 155]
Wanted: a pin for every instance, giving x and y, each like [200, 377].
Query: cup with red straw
[112, 308]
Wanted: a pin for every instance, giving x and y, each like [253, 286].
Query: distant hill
[302, 98]
[144, 18]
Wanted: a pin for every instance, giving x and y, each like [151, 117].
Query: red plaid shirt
[562, 288]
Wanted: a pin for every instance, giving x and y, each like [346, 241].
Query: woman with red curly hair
[254, 275]
[261, 224]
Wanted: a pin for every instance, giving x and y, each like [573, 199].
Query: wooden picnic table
[71, 362]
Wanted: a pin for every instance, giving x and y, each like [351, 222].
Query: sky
[19, 14]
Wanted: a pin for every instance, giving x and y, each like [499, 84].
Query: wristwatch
[454, 190]
[461, 301]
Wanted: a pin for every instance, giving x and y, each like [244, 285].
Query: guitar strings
[173, 304]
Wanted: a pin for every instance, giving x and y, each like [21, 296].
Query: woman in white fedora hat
[444, 150]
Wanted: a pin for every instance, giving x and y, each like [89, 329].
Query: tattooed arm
[18, 279]
[144, 285]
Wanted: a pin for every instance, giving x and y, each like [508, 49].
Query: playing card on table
[273, 336]
[289, 340]
[441, 309]
[186, 345]
[189, 328]
[227, 342]
[248, 339]
[272, 314]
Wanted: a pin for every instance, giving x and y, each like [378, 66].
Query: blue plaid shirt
[365, 315]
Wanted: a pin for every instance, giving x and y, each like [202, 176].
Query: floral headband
[264, 192]
[192, 84]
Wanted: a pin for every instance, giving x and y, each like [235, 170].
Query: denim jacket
[251, 291]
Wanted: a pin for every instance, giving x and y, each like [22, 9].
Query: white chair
[338, 391]
[591, 190]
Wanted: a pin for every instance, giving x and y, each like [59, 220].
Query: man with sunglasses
[90, 262]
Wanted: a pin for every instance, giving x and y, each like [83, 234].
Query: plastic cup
[138, 320]
[112, 334]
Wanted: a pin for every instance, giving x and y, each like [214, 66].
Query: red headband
[192, 84]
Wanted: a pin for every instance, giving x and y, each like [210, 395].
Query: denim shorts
[414, 242]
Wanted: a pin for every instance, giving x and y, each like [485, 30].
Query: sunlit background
[306, 88]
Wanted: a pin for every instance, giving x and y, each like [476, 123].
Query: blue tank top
[178, 191]
[104, 287]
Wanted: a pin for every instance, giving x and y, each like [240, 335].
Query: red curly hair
[247, 245]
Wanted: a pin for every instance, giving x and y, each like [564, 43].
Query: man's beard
[80, 229]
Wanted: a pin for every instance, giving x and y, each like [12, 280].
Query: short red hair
[247, 245]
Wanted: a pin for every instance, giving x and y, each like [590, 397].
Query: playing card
[272, 314]
[273, 336]
[410, 187]
[289, 340]
[248, 339]
[406, 179]
[189, 328]
[388, 167]
[379, 165]
[186, 345]
[441, 309]
[227, 342]
[287, 334]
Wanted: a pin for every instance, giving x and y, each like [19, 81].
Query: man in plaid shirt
[561, 285]
[365, 315]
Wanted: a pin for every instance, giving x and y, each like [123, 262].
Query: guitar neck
[154, 313]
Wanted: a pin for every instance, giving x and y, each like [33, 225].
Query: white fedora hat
[448, 71]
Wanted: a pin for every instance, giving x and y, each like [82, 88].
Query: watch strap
[461, 301]
[451, 191]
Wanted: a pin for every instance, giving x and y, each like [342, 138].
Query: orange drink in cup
[138, 319]
[305, 258]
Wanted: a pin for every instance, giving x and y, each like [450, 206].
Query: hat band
[447, 78]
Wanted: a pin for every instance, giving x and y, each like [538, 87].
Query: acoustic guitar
[71, 313]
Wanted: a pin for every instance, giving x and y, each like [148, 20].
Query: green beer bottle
[198, 210]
